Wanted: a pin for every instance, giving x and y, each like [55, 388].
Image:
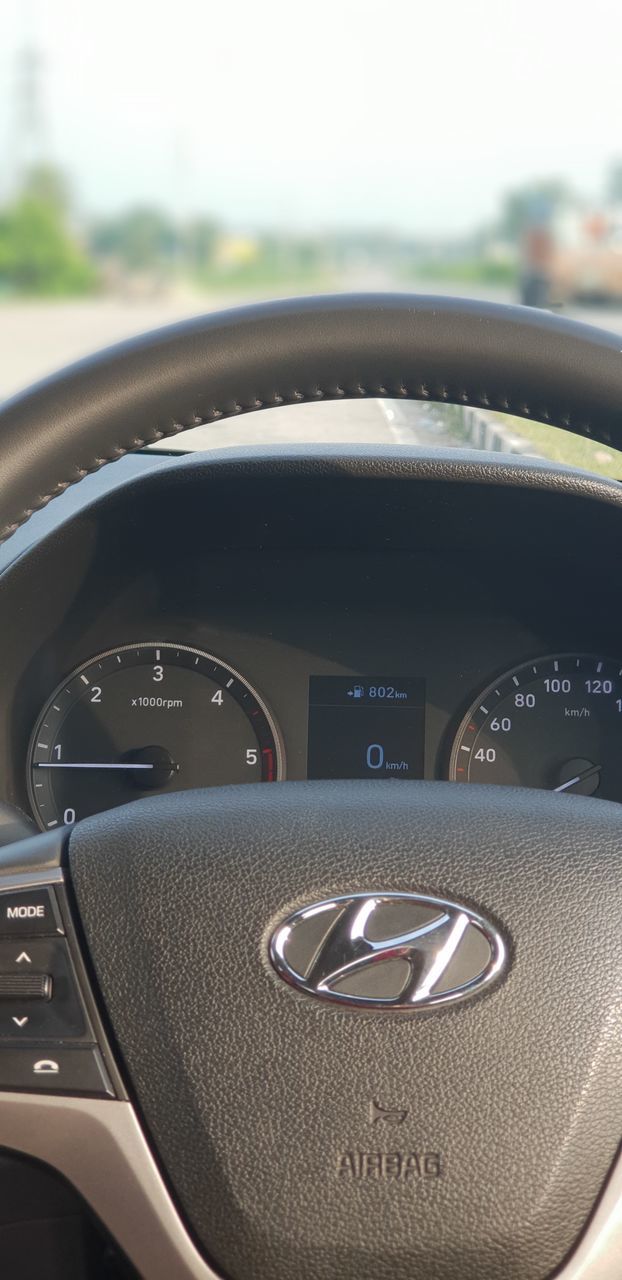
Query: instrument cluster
[159, 716]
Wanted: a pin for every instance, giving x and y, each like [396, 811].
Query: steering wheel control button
[53, 1069]
[39, 993]
[26, 986]
[29, 912]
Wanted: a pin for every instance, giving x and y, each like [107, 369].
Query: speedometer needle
[572, 782]
[80, 764]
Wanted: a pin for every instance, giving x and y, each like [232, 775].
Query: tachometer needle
[572, 782]
[81, 764]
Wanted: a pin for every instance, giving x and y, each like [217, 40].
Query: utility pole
[27, 130]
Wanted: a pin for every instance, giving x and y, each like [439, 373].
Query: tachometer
[554, 723]
[142, 719]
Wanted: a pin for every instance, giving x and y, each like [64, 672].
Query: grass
[551, 443]
[261, 276]
[563, 446]
[466, 271]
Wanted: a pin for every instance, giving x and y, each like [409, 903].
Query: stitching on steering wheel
[420, 392]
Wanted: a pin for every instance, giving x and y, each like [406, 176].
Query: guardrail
[483, 431]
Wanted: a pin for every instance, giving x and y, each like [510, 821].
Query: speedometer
[554, 723]
[146, 718]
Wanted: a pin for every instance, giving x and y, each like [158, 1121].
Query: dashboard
[257, 617]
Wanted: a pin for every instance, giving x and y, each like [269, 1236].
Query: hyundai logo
[396, 951]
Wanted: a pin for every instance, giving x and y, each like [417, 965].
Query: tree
[142, 239]
[536, 199]
[39, 252]
[614, 182]
[199, 240]
[47, 185]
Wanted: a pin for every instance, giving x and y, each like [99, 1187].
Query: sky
[414, 115]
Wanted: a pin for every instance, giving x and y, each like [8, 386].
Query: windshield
[163, 161]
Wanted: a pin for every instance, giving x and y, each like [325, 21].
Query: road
[38, 337]
[340, 422]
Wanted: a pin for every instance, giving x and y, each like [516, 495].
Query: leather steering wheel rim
[512, 359]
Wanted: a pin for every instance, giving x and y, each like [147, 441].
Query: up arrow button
[23, 958]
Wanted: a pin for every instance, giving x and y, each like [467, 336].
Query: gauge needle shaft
[572, 782]
[80, 764]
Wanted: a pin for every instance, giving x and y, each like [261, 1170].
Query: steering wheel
[460, 1124]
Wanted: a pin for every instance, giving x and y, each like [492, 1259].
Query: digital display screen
[366, 726]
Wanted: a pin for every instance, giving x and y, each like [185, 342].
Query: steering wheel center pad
[268, 1108]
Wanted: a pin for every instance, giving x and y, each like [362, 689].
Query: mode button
[30, 912]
